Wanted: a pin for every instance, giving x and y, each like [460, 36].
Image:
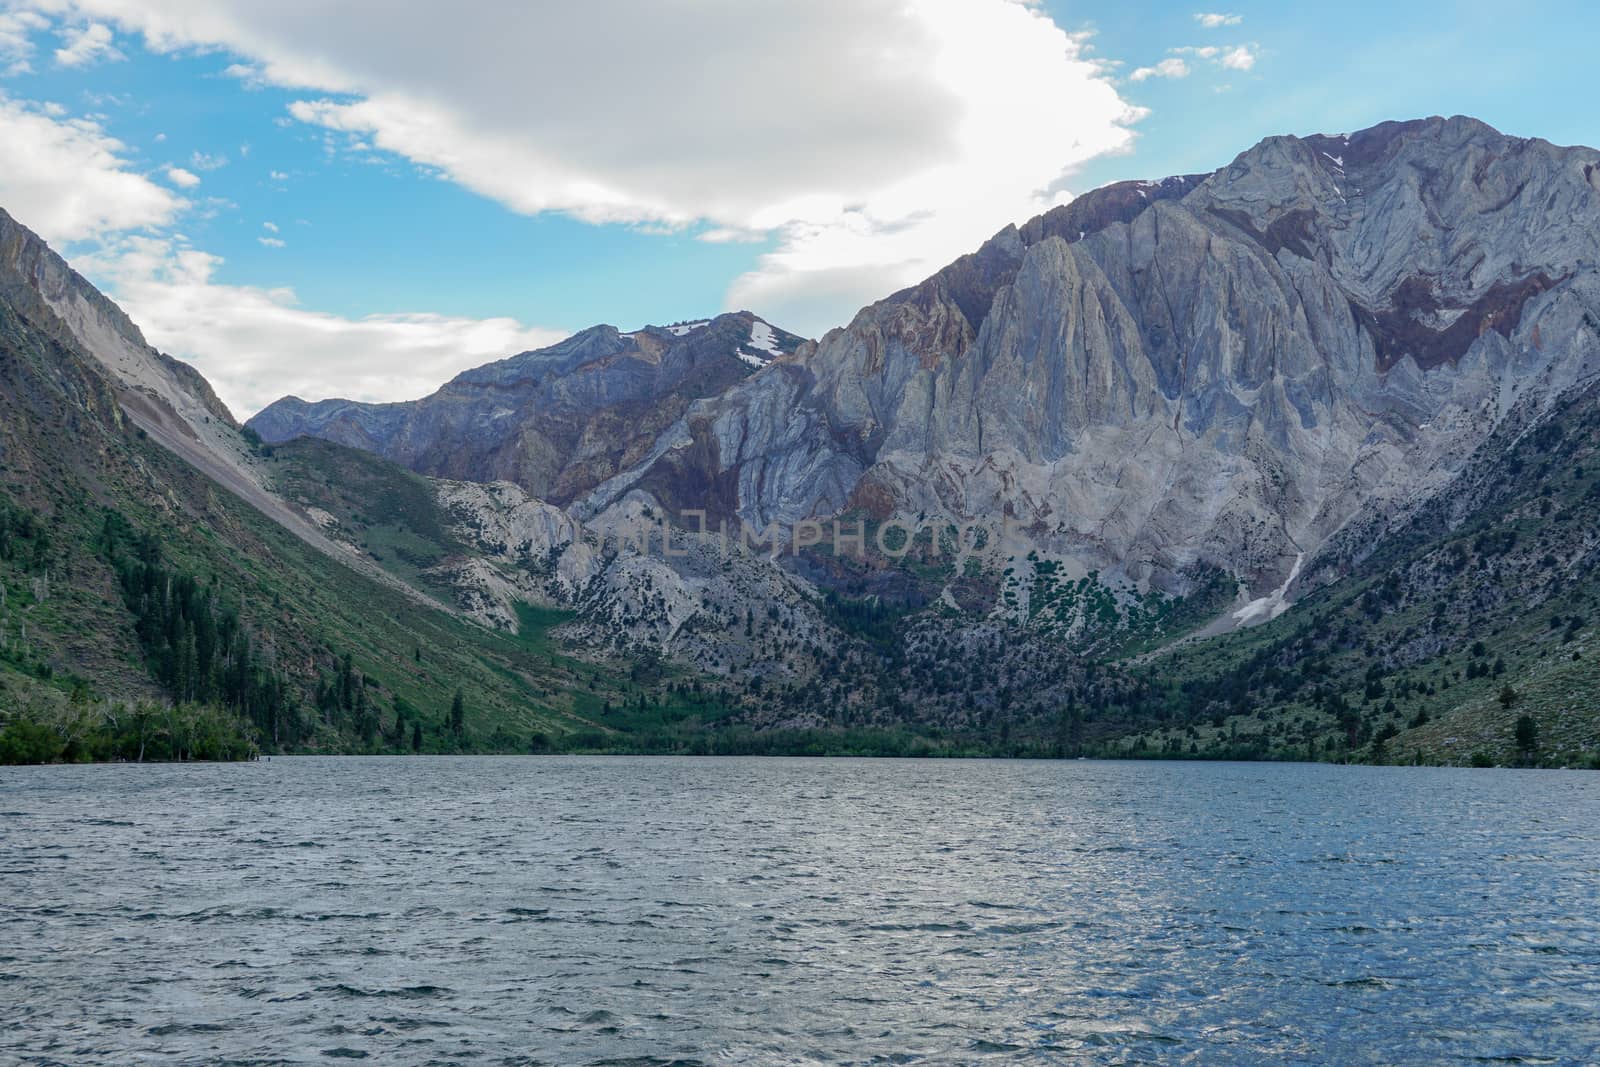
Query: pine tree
[1527, 736]
[347, 694]
[401, 708]
[458, 715]
[366, 714]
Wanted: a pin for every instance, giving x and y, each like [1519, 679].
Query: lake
[440, 910]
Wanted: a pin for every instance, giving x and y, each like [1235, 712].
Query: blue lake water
[730, 911]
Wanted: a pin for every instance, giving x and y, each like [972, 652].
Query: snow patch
[1270, 607]
[765, 343]
[683, 329]
[762, 339]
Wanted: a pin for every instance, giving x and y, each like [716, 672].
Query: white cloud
[876, 139]
[202, 161]
[1167, 68]
[67, 179]
[182, 178]
[255, 345]
[246, 75]
[86, 45]
[270, 227]
[270, 242]
[1212, 21]
[1235, 57]
[16, 40]
[1242, 57]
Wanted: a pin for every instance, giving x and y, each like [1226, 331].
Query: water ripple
[657, 912]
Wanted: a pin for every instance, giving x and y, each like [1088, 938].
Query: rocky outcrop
[556, 421]
[550, 556]
[706, 601]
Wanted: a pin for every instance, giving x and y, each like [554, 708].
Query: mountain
[556, 421]
[1193, 395]
[1218, 370]
[1297, 459]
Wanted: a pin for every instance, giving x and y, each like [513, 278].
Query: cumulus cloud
[874, 139]
[86, 45]
[68, 180]
[1212, 21]
[185, 179]
[1168, 68]
[271, 242]
[255, 344]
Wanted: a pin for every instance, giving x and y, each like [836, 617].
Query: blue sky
[322, 204]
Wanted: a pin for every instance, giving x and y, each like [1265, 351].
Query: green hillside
[84, 496]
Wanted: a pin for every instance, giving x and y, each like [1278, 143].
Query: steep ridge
[556, 421]
[1218, 370]
[167, 399]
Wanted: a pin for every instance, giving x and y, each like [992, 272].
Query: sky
[364, 199]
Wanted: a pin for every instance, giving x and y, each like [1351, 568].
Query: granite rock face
[555, 421]
[1221, 369]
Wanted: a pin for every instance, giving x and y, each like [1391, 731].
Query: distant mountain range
[1298, 457]
[557, 421]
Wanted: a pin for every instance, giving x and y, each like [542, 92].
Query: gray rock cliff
[1221, 369]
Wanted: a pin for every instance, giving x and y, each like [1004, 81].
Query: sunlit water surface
[645, 911]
